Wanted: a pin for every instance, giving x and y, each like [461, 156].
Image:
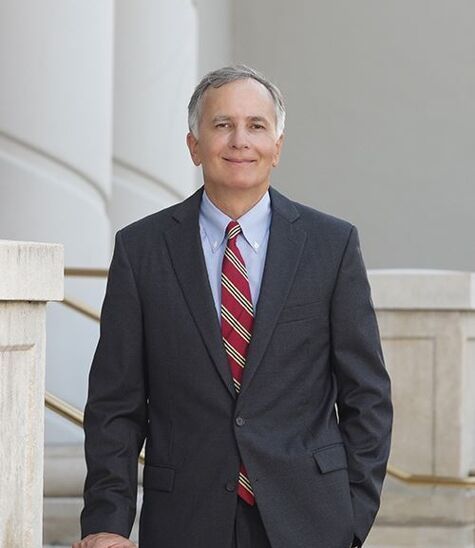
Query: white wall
[215, 37]
[155, 73]
[380, 117]
[55, 149]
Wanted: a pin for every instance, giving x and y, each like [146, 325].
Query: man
[238, 339]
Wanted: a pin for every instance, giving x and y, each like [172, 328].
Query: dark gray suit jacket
[314, 408]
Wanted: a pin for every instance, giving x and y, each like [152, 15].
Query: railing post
[427, 324]
[31, 274]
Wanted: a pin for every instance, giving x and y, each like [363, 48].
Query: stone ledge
[411, 289]
[31, 271]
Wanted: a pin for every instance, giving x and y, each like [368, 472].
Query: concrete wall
[380, 117]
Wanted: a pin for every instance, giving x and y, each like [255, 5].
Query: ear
[193, 147]
[278, 147]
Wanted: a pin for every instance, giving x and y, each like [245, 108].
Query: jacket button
[240, 421]
[230, 486]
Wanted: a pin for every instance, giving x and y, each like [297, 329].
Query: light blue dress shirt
[252, 243]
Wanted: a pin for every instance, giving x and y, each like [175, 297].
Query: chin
[243, 184]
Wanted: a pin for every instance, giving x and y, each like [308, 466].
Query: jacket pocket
[331, 458]
[160, 478]
[304, 311]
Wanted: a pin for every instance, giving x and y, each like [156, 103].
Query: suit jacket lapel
[184, 247]
[284, 250]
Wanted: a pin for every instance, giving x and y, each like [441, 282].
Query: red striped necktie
[237, 317]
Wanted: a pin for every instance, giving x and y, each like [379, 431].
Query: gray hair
[225, 75]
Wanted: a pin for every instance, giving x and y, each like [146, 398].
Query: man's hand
[104, 540]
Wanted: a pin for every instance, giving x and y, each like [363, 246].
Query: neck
[236, 203]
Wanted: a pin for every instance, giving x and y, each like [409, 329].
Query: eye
[257, 126]
[222, 124]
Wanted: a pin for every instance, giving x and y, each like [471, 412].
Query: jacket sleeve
[364, 400]
[115, 417]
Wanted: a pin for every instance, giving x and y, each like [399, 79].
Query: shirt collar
[254, 223]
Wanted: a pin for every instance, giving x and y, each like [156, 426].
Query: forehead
[247, 97]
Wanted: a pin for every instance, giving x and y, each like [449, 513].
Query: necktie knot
[232, 230]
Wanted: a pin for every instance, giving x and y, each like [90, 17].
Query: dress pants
[249, 530]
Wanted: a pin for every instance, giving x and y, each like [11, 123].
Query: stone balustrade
[427, 325]
[31, 274]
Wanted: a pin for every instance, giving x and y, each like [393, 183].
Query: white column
[32, 273]
[156, 61]
[55, 160]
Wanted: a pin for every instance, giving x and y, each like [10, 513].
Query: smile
[238, 161]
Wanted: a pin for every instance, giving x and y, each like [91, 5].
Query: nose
[239, 138]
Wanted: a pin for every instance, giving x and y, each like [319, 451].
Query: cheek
[271, 153]
[268, 148]
[207, 154]
[215, 149]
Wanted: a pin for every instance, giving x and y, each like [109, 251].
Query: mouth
[238, 161]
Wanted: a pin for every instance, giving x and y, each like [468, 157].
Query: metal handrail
[72, 414]
[73, 271]
[77, 305]
[82, 308]
[75, 416]
[64, 409]
[422, 479]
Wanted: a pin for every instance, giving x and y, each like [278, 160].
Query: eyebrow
[259, 119]
[225, 118]
[221, 118]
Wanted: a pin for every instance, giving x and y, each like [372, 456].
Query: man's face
[237, 145]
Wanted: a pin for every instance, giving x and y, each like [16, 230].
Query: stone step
[61, 520]
[421, 536]
[65, 471]
[64, 475]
